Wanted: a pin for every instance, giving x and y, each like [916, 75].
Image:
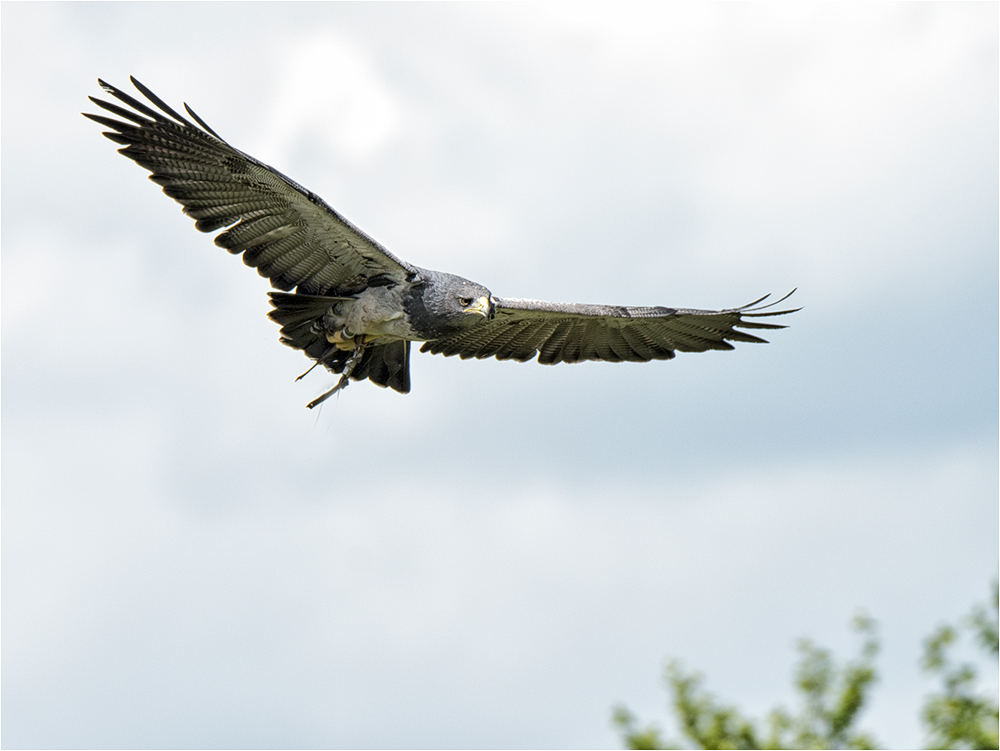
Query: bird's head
[463, 301]
[446, 303]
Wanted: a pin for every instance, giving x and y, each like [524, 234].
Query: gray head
[446, 303]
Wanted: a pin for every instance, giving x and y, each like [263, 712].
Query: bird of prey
[354, 307]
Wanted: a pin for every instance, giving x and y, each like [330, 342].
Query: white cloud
[829, 141]
[458, 579]
[330, 94]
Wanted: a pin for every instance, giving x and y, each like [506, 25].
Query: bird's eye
[465, 301]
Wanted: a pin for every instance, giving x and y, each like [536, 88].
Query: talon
[343, 383]
[308, 371]
[345, 377]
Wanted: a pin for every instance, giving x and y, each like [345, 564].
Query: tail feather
[385, 365]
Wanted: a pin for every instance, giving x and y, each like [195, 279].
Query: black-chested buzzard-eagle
[355, 307]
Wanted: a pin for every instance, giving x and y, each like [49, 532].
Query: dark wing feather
[290, 235]
[573, 333]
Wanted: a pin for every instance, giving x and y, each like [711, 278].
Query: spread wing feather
[288, 233]
[573, 333]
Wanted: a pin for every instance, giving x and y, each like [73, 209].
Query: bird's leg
[342, 339]
[345, 376]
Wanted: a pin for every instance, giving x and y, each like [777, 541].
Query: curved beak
[483, 306]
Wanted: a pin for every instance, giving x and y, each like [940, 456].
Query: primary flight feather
[356, 307]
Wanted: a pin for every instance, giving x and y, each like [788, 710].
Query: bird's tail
[299, 317]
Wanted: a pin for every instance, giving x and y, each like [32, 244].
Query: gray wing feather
[289, 234]
[558, 332]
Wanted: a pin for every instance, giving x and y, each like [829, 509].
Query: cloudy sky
[191, 558]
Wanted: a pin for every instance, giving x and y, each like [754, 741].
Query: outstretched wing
[290, 235]
[573, 333]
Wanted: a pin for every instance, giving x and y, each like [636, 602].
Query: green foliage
[637, 738]
[832, 698]
[702, 719]
[959, 717]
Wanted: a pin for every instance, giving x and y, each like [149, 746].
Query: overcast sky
[191, 558]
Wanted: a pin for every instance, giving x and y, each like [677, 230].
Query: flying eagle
[354, 307]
